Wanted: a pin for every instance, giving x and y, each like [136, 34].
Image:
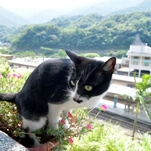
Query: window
[135, 60]
[147, 58]
[146, 61]
[136, 57]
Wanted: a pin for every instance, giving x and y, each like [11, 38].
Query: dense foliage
[7, 34]
[111, 138]
[90, 32]
[4, 33]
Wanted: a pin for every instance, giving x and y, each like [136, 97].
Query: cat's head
[90, 78]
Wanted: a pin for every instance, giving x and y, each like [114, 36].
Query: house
[139, 58]
[8, 57]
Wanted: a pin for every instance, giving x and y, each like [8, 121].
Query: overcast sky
[44, 4]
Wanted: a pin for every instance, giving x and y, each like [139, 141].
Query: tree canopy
[89, 32]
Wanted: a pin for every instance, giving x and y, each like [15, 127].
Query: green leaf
[145, 107]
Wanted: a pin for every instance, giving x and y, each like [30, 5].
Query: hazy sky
[44, 4]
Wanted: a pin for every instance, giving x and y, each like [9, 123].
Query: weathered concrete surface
[8, 144]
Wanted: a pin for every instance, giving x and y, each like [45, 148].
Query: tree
[61, 54]
[90, 55]
[143, 97]
[46, 51]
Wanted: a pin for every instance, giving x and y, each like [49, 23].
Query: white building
[139, 58]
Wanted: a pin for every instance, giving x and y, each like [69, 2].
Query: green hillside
[91, 32]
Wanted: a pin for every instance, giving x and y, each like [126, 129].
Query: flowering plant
[10, 81]
[79, 123]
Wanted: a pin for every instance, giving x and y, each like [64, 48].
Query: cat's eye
[88, 87]
[72, 83]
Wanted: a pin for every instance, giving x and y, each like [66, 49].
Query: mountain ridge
[9, 18]
[108, 7]
[144, 6]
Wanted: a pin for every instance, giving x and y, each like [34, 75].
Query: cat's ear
[74, 57]
[109, 65]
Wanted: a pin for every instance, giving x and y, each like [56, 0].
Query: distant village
[4, 44]
[138, 60]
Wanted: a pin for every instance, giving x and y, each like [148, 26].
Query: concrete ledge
[8, 144]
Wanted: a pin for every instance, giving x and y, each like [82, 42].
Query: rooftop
[141, 49]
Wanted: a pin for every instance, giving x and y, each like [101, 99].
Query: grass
[110, 138]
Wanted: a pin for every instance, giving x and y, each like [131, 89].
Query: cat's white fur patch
[56, 109]
[34, 125]
[92, 102]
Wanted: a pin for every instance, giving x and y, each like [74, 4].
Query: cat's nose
[77, 100]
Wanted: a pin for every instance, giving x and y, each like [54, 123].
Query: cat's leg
[65, 114]
[54, 115]
[31, 126]
[29, 140]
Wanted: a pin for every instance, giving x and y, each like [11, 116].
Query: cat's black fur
[52, 82]
[47, 83]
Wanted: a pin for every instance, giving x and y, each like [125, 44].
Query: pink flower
[104, 107]
[89, 127]
[19, 75]
[70, 140]
[62, 122]
[70, 115]
[15, 75]
[1, 76]
[72, 120]
[9, 75]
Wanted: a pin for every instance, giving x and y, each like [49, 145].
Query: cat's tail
[8, 97]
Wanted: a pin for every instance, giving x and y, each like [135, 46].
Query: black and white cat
[60, 85]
